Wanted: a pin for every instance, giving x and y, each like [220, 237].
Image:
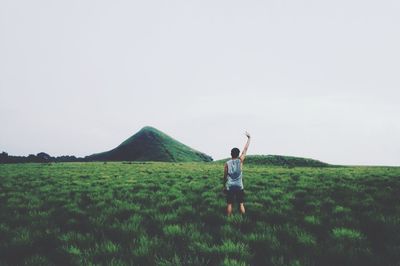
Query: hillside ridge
[151, 144]
[281, 160]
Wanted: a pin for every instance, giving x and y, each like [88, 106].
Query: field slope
[150, 144]
[173, 214]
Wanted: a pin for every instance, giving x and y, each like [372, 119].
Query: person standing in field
[233, 178]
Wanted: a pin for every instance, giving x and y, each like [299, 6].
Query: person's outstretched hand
[247, 134]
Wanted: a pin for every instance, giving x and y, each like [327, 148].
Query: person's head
[235, 152]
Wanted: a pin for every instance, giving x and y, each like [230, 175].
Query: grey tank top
[234, 174]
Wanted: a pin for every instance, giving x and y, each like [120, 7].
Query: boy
[233, 179]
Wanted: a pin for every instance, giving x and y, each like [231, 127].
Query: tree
[43, 157]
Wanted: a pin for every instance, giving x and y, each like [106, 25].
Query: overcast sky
[317, 79]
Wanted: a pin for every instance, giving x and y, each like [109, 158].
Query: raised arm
[246, 146]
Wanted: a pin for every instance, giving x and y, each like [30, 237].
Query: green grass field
[174, 214]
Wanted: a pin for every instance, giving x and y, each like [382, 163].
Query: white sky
[318, 79]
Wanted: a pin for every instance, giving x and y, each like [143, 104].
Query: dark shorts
[235, 193]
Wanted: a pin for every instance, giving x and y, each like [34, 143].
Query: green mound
[150, 144]
[280, 160]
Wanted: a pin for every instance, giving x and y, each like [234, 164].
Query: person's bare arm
[225, 175]
[246, 146]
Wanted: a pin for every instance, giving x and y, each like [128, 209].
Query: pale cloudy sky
[317, 79]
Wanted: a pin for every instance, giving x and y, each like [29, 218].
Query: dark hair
[235, 152]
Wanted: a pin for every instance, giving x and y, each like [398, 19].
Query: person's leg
[229, 209]
[242, 210]
[229, 202]
[240, 197]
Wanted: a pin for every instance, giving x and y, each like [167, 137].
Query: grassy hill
[150, 144]
[174, 214]
[280, 160]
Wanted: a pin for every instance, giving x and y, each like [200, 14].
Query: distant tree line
[41, 157]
